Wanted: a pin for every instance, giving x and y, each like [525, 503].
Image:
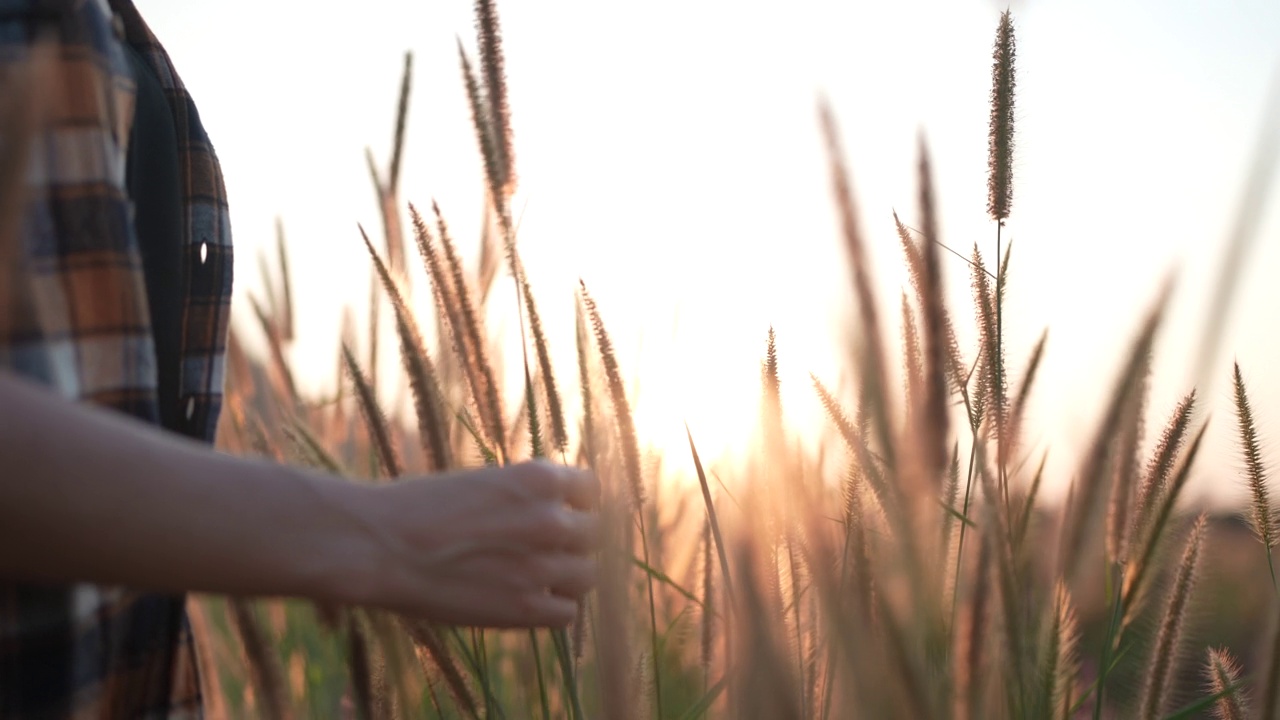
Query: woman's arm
[88, 495]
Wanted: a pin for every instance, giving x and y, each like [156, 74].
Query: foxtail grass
[493, 70]
[428, 403]
[913, 255]
[1223, 677]
[1161, 465]
[1125, 468]
[1000, 134]
[375, 419]
[462, 322]
[815, 599]
[627, 439]
[1000, 140]
[1157, 691]
[1141, 565]
[629, 444]
[1261, 516]
[1059, 661]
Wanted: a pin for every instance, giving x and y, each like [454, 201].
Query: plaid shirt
[77, 320]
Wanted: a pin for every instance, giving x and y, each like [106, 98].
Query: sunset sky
[669, 155]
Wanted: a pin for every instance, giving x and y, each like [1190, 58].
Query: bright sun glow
[669, 156]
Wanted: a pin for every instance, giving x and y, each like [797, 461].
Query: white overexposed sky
[669, 155]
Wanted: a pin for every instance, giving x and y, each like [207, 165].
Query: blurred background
[668, 155]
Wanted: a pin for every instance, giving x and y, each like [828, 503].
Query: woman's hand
[93, 496]
[498, 547]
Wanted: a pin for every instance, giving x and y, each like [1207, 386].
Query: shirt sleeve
[74, 315]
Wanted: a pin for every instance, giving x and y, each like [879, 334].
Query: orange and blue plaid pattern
[77, 321]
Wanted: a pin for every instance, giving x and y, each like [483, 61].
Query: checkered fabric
[74, 317]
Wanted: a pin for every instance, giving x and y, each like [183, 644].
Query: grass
[932, 583]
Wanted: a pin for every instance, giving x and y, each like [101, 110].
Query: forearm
[87, 495]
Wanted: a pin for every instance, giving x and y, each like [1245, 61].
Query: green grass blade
[1204, 703]
[711, 517]
[665, 579]
[700, 708]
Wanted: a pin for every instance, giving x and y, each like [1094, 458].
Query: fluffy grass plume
[472, 332]
[630, 445]
[912, 367]
[493, 68]
[555, 408]
[491, 120]
[375, 420]
[1155, 480]
[428, 403]
[990, 394]
[1222, 674]
[1125, 463]
[1262, 517]
[1060, 662]
[1157, 690]
[1141, 564]
[913, 255]
[458, 313]
[1000, 133]
[481, 124]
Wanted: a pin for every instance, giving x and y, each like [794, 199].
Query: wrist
[337, 558]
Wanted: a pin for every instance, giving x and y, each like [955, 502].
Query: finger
[573, 576]
[581, 532]
[561, 529]
[540, 609]
[579, 488]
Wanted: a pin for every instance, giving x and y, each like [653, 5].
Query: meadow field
[931, 578]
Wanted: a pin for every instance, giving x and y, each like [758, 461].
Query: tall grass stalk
[1000, 194]
[626, 430]
[428, 401]
[375, 419]
[1157, 690]
[1262, 516]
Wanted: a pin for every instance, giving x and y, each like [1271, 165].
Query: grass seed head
[1000, 133]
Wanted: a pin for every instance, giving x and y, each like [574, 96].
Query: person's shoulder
[90, 23]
